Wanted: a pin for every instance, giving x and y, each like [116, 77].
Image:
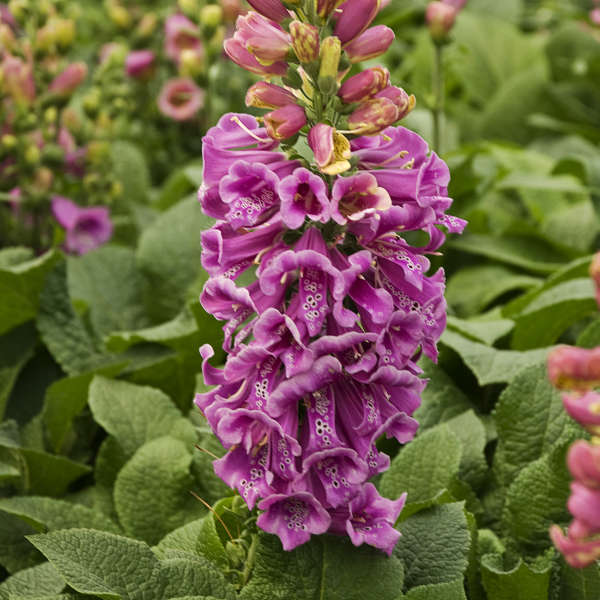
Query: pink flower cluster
[577, 370]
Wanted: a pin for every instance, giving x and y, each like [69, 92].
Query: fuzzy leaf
[41, 580]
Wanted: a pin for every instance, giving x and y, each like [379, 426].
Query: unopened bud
[32, 155]
[373, 116]
[189, 7]
[595, 273]
[191, 63]
[583, 460]
[305, 41]
[369, 44]
[119, 15]
[331, 50]
[42, 180]
[7, 37]
[440, 18]
[285, 122]
[364, 85]
[64, 32]
[91, 101]
[9, 141]
[147, 25]
[66, 82]
[50, 114]
[268, 95]
[584, 407]
[211, 15]
[573, 368]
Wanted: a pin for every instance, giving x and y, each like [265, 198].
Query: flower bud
[140, 64]
[272, 9]
[364, 85]
[331, 149]
[239, 55]
[50, 114]
[42, 180]
[7, 38]
[331, 50]
[6, 16]
[17, 78]
[440, 18]
[585, 409]
[369, 44]
[119, 15]
[404, 103]
[180, 34]
[268, 95]
[180, 99]
[191, 62]
[285, 122]
[373, 116]
[580, 548]
[305, 41]
[8, 141]
[584, 463]
[584, 504]
[595, 273]
[147, 26]
[595, 16]
[66, 82]
[64, 32]
[211, 15]
[189, 7]
[32, 155]
[353, 17]
[574, 368]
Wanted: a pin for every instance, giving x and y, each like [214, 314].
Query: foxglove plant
[577, 370]
[320, 202]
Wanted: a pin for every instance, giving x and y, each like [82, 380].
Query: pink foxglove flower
[371, 43]
[181, 34]
[65, 83]
[86, 228]
[180, 99]
[139, 64]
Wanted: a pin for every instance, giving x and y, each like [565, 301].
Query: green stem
[438, 94]
[251, 557]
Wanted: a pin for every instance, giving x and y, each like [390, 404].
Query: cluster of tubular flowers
[322, 344]
[577, 371]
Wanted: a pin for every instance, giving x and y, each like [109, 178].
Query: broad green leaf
[211, 487]
[574, 227]
[14, 255]
[484, 331]
[472, 289]
[525, 252]
[434, 546]
[16, 348]
[52, 514]
[152, 490]
[552, 312]
[423, 469]
[41, 580]
[579, 584]
[169, 255]
[536, 499]
[209, 543]
[110, 459]
[16, 552]
[530, 420]
[183, 538]
[50, 475]
[108, 282]
[441, 399]
[590, 336]
[63, 331]
[488, 364]
[555, 183]
[519, 582]
[452, 590]
[20, 288]
[469, 429]
[326, 567]
[136, 414]
[130, 170]
[102, 564]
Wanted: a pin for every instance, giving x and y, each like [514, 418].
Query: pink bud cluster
[440, 18]
[577, 372]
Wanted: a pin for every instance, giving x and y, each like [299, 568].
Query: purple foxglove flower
[238, 53]
[264, 39]
[353, 17]
[595, 16]
[580, 547]
[65, 83]
[139, 64]
[268, 95]
[584, 504]
[372, 519]
[181, 34]
[272, 9]
[400, 98]
[86, 228]
[293, 517]
[369, 44]
[250, 191]
[303, 194]
[440, 17]
[74, 156]
[180, 99]
[584, 463]
[585, 409]
[356, 196]
[17, 79]
[364, 85]
[373, 116]
[331, 149]
[574, 368]
[285, 122]
[305, 41]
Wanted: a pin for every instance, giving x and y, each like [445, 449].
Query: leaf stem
[438, 94]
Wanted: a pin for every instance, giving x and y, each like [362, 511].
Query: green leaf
[434, 545]
[51, 514]
[16, 552]
[525, 252]
[20, 288]
[211, 487]
[484, 331]
[530, 420]
[108, 281]
[326, 567]
[452, 590]
[536, 499]
[535, 181]
[40, 580]
[16, 348]
[136, 414]
[552, 312]
[590, 336]
[441, 399]
[209, 543]
[14, 255]
[423, 469]
[183, 538]
[488, 364]
[102, 564]
[152, 490]
[63, 331]
[519, 582]
[169, 255]
[50, 475]
[130, 169]
[472, 289]
[469, 429]
[579, 584]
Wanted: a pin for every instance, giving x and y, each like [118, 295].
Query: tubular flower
[139, 64]
[180, 99]
[322, 345]
[181, 34]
